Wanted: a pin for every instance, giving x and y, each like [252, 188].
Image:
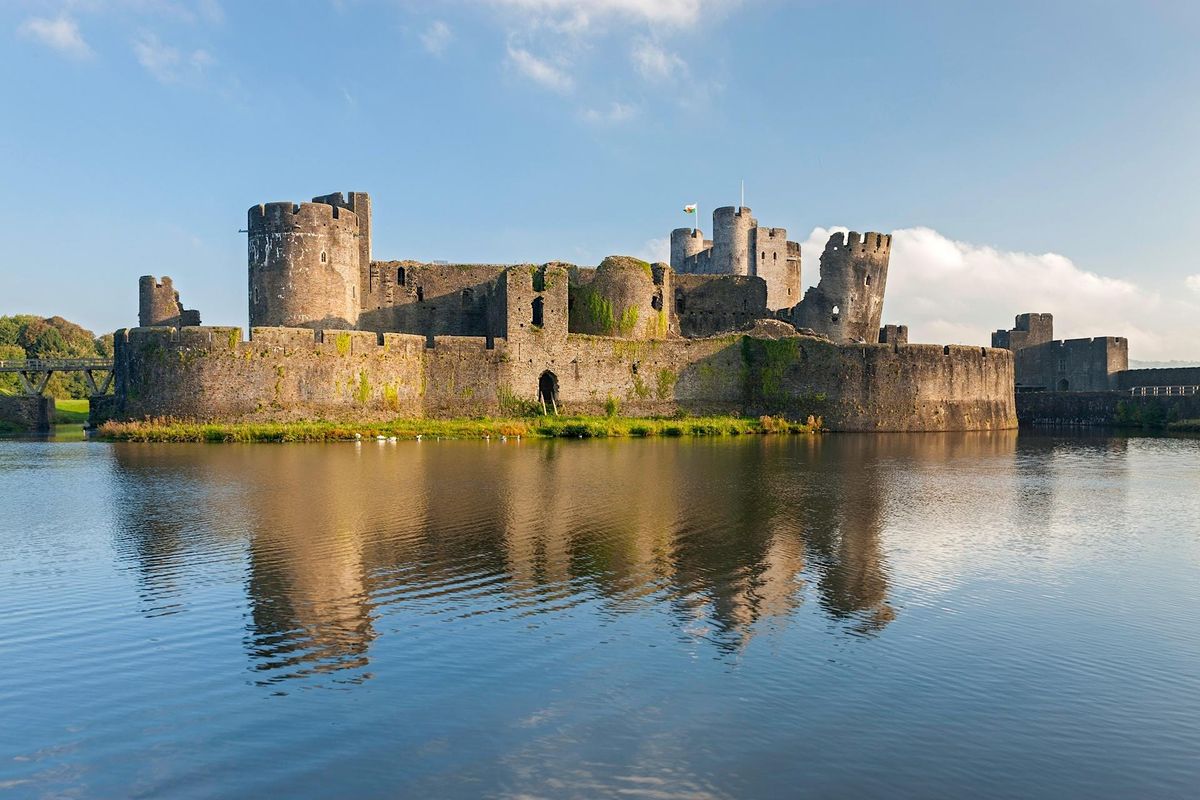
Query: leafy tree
[29, 336]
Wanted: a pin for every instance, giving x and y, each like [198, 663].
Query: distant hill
[1135, 364]
[28, 336]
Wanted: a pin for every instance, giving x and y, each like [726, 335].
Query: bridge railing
[53, 364]
[1164, 391]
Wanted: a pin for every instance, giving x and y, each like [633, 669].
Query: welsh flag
[689, 209]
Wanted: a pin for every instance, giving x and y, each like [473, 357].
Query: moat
[859, 615]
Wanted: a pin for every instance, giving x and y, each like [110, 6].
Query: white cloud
[656, 64]
[60, 34]
[615, 113]
[580, 13]
[168, 64]
[210, 11]
[656, 250]
[1193, 283]
[957, 292]
[539, 71]
[436, 37]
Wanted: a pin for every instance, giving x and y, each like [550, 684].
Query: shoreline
[546, 427]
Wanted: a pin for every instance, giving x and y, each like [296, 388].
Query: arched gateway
[548, 391]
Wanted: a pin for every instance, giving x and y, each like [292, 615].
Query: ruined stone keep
[335, 333]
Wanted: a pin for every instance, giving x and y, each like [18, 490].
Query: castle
[721, 329]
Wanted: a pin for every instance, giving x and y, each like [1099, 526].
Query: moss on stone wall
[343, 344]
[629, 320]
[363, 392]
[666, 383]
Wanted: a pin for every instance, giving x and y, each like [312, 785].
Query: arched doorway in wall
[548, 392]
[1063, 385]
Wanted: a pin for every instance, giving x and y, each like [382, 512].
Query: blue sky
[1029, 156]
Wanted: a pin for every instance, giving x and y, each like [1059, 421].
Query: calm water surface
[845, 616]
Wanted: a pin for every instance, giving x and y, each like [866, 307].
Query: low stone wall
[35, 414]
[286, 374]
[1165, 376]
[1102, 408]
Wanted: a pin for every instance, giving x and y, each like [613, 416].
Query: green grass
[1185, 426]
[70, 412]
[547, 427]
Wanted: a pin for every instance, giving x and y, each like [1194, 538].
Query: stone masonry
[335, 334]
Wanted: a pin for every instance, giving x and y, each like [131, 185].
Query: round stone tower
[731, 240]
[685, 242]
[158, 302]
[622, 300]
[304, 265]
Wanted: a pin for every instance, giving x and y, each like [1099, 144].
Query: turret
[731, 240]
[685, 243]
[306, 261]
[847, 304]
[158, 304]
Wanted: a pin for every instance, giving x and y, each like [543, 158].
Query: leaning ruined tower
[847, 304]
[306, 261]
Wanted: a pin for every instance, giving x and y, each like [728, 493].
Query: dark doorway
[548, 392]
[1063, 385]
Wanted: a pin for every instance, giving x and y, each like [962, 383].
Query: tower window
[324, 256]
[868, 279]
[836, 313]
[539, 306]
[400, 276]
[420, 294]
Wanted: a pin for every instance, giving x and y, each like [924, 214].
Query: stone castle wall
[1163, 376]
[210, 373]
[705, 305]
[1087, 365]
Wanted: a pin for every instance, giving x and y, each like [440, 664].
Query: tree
[29, 336]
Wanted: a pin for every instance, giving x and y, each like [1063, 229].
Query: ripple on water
[844, 615]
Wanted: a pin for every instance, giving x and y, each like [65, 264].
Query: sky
[1027, 156]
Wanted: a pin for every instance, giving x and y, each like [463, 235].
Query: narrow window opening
[656, 303]
[679, 304]
[400, 276]
[836, 313]
[420, 294]
[324, 257]
[868, 279]
[539, 306]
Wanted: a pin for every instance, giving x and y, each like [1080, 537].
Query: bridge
[1164, 391]
[35, 373]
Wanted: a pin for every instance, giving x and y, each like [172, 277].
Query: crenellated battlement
[287, 216]
[871, 244]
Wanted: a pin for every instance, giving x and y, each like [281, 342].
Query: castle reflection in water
[337, 542]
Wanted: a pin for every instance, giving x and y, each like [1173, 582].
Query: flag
[690, 209]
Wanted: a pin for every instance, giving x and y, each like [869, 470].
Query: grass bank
[70, 412]
[1185, 426]
[484, 428]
